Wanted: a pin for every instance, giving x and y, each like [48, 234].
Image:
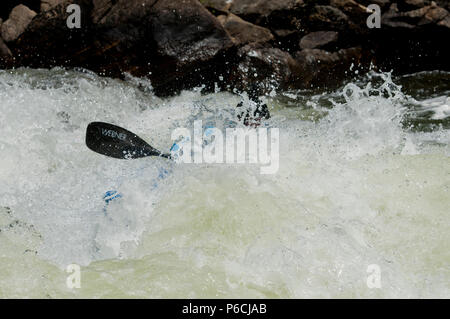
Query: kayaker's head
[261, 111]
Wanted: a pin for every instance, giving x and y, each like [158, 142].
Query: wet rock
[19, 19]
[48, 4]
[318, 39]
[243, 32]
[186, 31]
[190, 43]
[320, 68]
[270, 68]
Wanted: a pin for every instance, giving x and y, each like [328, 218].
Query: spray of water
[355, 188]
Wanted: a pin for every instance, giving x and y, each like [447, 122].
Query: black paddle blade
[114, 141]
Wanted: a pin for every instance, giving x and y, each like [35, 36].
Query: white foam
[354, 189]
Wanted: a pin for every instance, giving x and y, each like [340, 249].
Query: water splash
[355, 187]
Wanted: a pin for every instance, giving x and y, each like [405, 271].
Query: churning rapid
[363, 180]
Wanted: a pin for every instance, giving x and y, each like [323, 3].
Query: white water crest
[355, 187]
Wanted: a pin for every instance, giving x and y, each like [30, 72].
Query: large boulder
[319, 68]
[270, 68]
[243, 32]
[190, 45]
[19, 19]
[185, 31]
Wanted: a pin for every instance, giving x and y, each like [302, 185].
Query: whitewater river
[362, 189]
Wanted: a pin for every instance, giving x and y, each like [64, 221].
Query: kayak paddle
[114, 141]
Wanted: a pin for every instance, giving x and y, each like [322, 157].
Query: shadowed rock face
[317, 65]
[236, 44]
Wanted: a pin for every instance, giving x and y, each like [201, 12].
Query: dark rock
[189, 42]
[220, 5]
[262, 7]
[445, 22]
[176, 43]
[48, 4]
[426, 15]
[318, 39]
[356, 12]
[4, 50]
[328, 17]
[417, 3]
[19, 19]
[270, 68]
[390, 18]
[287, 40]
[180, 44]
[382, 3]
[434, 15]
[267, 13]
[243, 32]
[320, 68]
[348, 6]
[411, 41]
[184, 30]
[101, 8]
[284, 33]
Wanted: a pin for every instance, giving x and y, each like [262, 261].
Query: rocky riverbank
[227, 44]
